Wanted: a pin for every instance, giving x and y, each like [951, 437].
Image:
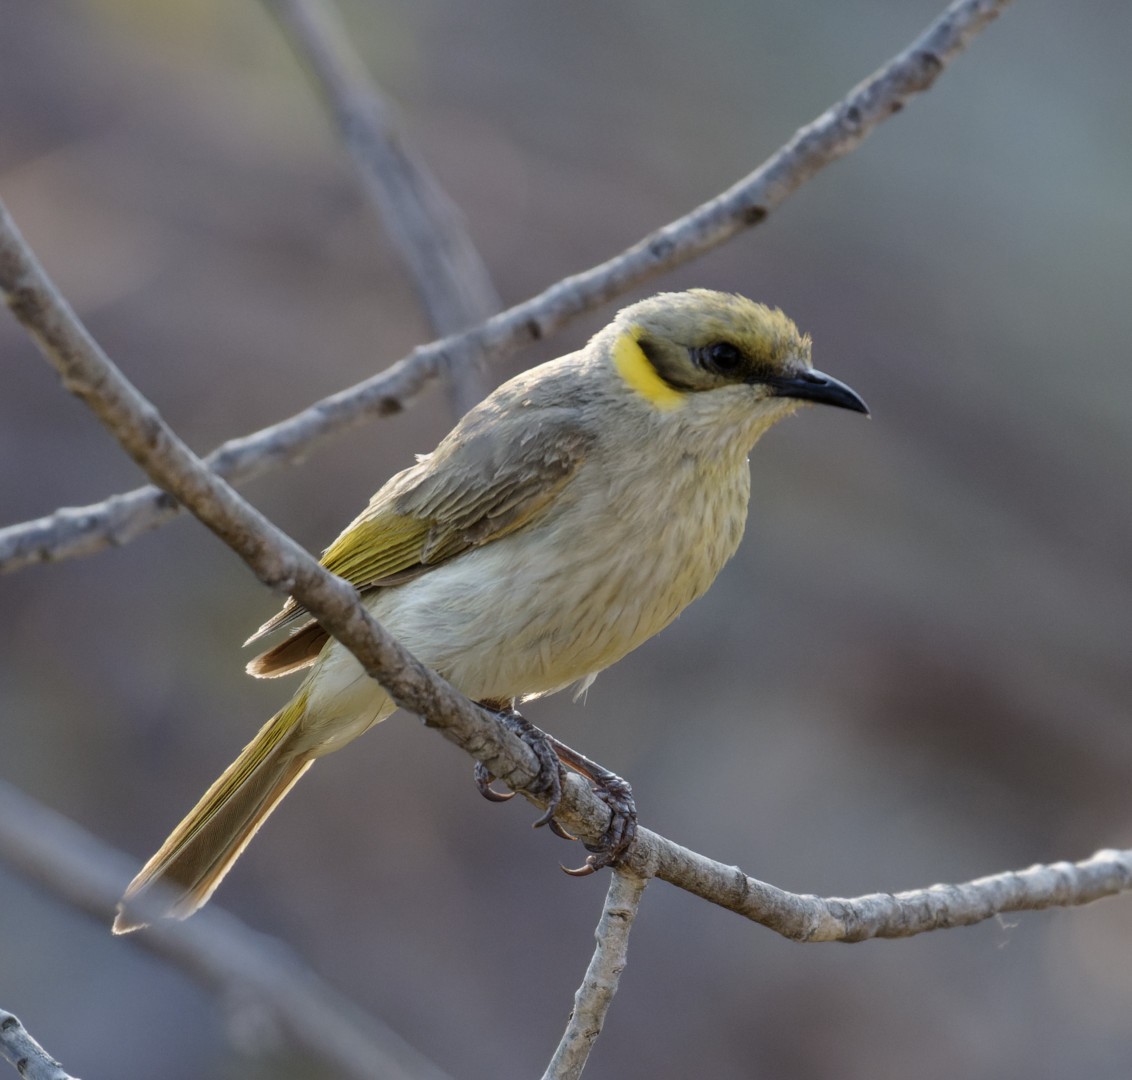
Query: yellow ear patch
[630, 360]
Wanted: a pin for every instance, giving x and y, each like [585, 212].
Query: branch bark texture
[22, 1052]
[803, 917]
[72, 532]
[595, 995]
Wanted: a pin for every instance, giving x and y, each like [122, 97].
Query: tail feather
[294, 652]
[203, 847]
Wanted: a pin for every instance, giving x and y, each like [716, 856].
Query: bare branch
[423, 223]
[20, 1050]
[82, 531]
[254, 974]
[803, 917]
[283, 565]
[595, 995]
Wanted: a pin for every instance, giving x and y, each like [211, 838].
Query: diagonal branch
[246, 969]
[595, 995]
[423, 223]
[72, 532]
[21, 1051]
[273, 557]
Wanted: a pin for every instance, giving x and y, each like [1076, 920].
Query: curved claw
[618, 796]
[546, 818]
[483, 783]
[559, 831]
[622, 832]
[547, 785]
[496, 796]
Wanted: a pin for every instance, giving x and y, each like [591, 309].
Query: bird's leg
[552, 754]
[547, 785]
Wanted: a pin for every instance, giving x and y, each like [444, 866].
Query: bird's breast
[609, 566]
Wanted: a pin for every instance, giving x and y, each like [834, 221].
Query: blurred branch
[72, 532]
[594, 996]
[251, 972]
[20, 1050]
[423, 223]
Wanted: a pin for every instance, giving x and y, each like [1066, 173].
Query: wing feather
[485, 480]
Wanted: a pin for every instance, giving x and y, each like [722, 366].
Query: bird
[565, 520]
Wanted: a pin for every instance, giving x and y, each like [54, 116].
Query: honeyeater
[567, 518]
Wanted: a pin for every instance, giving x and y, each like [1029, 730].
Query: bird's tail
[202, 849]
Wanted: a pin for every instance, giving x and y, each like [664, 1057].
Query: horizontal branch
[72, 532]
[803, 917]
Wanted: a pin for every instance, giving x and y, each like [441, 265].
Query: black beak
[816, 386]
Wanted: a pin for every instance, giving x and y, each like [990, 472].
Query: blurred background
[915, 670]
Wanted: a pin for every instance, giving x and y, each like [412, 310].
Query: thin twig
[421, 220]
[595, 995]
[72, 532]
[20, 1050]
[253, 973]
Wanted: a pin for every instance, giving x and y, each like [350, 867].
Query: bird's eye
[723, 358]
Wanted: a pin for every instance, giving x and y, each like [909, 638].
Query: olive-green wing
[479, 489]
[483, 482]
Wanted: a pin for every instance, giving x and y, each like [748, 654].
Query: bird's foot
[552, 755]
[618, 796]
[547, 786]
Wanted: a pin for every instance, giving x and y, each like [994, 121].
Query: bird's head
[711, 354]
